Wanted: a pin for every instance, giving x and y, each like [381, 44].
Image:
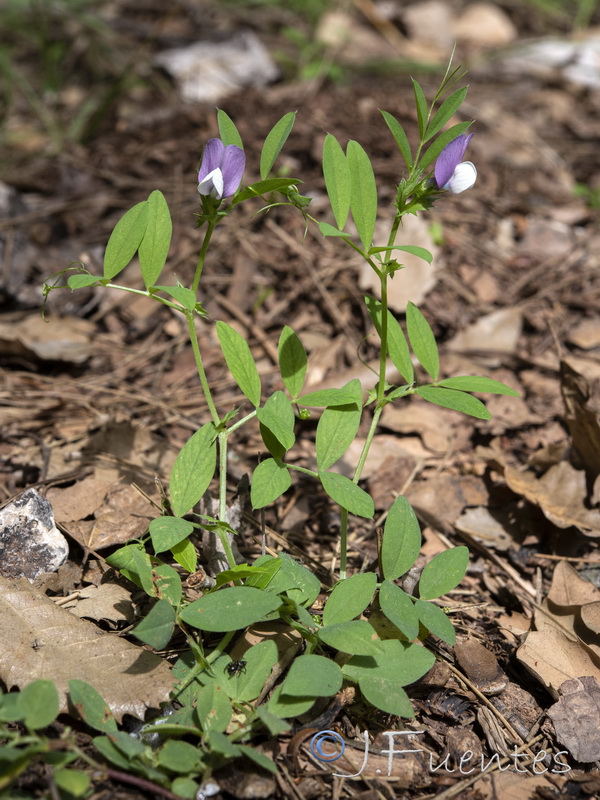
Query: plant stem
[207, 237]
[223, 534]
[200, 367]
[383, 279]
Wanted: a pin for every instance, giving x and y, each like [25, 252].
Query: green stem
[302, 469]
[223, 534]
[241, 422]
[200, 367]
[343, 542]
[151, 295]
[207, 237]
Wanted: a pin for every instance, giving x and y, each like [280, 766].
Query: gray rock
[30, 542]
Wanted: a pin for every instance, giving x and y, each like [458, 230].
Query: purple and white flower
[451, 172]
[221, 169]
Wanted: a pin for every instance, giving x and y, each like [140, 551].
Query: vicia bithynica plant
[347, 642]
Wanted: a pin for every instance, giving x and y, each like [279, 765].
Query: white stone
[30, 542]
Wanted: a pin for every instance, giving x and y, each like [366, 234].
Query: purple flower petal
[211, 158]
[450, 158]
[233, 164]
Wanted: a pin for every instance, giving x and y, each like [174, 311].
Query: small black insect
[235, 667]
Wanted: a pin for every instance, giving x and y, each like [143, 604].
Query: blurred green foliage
[65, 61]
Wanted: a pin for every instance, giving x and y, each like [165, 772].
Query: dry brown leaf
[481, 666]
[554, 659]
[576, 718]
[107, 601]
[497, 332]
[42, 640]
[560, 493]
[582, 415]
[511, 785]
[441, 500]
[439, 428]
[569, 589]
[67, 339]
[486, 528]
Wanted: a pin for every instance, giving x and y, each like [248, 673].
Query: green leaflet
[336, 430]
[193, 470]
[292, 361]
[422, 340]
[156, 241]
[347, 494]
[125, 239]
[336, 172]
[274, 141]
[269, 481]
[239, 361]
[457, 401]
[401, 540]
[228, 132]
[349, 598]
[363, 192]
[444, 572]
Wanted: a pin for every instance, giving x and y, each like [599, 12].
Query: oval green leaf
[156, 241]
[335, 433]
[125, 239]
[399, 609]
[436, 621]
[457, 401]
[422, 340]
[313, 675]
[239, 361]
[336, 172]
[401, 540]
[444, 572]
[270, 480]
[157, 626]
[349, 598]
[230, 609]
[168, 531]
[363, 193]
[356, 637]
[39, 703]
[193, 470]
[274, 141]
[386, 695]
[292, 361]
[347, 494]
[278, 416]
[228, 132]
